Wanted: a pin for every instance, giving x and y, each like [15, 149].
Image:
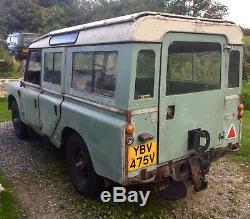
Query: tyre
[81, 169]
[19, 127]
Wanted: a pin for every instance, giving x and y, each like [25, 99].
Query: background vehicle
[18, 43]
[144, 98]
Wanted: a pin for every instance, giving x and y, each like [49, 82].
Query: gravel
[50, 194]
[17, 156]
[21, 162]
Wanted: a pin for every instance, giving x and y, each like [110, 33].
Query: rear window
[145, 74]
[193, 67]
[95, 72]
[234, 69]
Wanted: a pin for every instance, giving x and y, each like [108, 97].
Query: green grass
[244, 153]
[5, 114]
[8, 204]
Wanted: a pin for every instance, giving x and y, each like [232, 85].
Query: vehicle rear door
[191, 94]
[51, 98]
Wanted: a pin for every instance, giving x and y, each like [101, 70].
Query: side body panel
[12, 91]
[103, 133]
[50, 112]
[100, 120]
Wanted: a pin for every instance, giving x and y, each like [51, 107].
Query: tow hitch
[197, 169]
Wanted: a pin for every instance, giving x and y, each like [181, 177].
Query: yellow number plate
[142, 155]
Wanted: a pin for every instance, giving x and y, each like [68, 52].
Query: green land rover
[144, 98]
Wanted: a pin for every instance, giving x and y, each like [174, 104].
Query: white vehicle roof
[144, 27]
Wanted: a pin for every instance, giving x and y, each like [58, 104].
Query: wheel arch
[67, 131]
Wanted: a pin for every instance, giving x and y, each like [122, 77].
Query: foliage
[246, 64]
[4, 112]
[246, 31]
[10, 66]
[197, 8]
[46, 15]
[24, 15]
[7, 200]
[246, 95]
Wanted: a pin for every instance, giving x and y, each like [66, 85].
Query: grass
[86, 207]
[8, 202]
[5, 114]
[244, 153]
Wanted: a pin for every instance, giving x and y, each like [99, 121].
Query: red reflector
[231, 133]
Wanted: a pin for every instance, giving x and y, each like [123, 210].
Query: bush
[246, 95]
[246, 64]
[9, 67]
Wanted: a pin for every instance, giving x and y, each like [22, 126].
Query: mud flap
[197, 171]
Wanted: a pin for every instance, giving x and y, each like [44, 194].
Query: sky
[239, 11]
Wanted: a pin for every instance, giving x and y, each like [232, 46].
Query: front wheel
[82, 172]
[19, 127]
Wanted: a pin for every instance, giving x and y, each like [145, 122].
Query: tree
[24, 15]
[197, 8]
[45, 15]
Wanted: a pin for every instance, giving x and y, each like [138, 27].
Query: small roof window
[69, 38]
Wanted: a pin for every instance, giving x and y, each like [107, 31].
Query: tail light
[129, 130]
[240, 111]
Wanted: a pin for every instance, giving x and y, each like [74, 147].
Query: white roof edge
[134, 27]
[128, 18]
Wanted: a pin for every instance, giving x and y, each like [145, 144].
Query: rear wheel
[82, 172]
[19, 127]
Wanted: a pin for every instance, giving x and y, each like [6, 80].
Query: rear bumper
[180, 170]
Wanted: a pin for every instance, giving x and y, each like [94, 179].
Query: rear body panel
[214, 110]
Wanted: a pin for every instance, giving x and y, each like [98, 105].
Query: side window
[105, 70]
[33, 72]
[52, 67]
[234, 69]
[193, 67]
[82, 71]
[95, 72]
[145, 74]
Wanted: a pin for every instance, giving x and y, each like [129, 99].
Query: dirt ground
[42, 185]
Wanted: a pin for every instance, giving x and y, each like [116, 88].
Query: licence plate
[141, 156]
